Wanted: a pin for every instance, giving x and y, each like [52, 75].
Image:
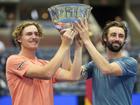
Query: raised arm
[66, 63]
[99, 60]
[75, 69]
[48, 70]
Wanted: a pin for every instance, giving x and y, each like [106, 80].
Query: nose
[117, 37]
[34, 35]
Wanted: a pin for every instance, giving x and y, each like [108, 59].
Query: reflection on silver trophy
[63, 15]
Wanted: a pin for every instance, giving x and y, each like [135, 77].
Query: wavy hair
[17, 33]
[112, 24]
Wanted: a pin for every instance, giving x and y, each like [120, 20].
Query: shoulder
[129, 60]
[128, 64]
[12, 57]
[126, 59]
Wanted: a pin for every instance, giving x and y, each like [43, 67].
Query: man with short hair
[114, 75]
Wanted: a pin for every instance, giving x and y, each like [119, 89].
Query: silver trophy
[63, 15]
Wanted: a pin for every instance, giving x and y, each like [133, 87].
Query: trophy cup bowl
[63, 15]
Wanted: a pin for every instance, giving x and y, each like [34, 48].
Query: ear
[104, 39]
[126, 41]
[19, 40]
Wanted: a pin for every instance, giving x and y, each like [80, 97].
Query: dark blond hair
[17, 33]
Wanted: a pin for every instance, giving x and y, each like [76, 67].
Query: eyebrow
[119, 33]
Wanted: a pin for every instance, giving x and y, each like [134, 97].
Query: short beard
[114, 49]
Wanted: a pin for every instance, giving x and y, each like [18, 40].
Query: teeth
[33, 42]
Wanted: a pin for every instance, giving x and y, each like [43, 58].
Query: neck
[28, 53]
[112, 55]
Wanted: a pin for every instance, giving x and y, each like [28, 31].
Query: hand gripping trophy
[63, 15]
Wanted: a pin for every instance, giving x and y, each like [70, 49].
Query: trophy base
[63, 25]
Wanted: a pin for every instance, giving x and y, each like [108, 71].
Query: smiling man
[114, 75]
[31, 79]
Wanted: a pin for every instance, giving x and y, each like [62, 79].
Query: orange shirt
[27, 91]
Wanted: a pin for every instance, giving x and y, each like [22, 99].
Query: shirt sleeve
[89, 69]
[17, 65]
[128, 66]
